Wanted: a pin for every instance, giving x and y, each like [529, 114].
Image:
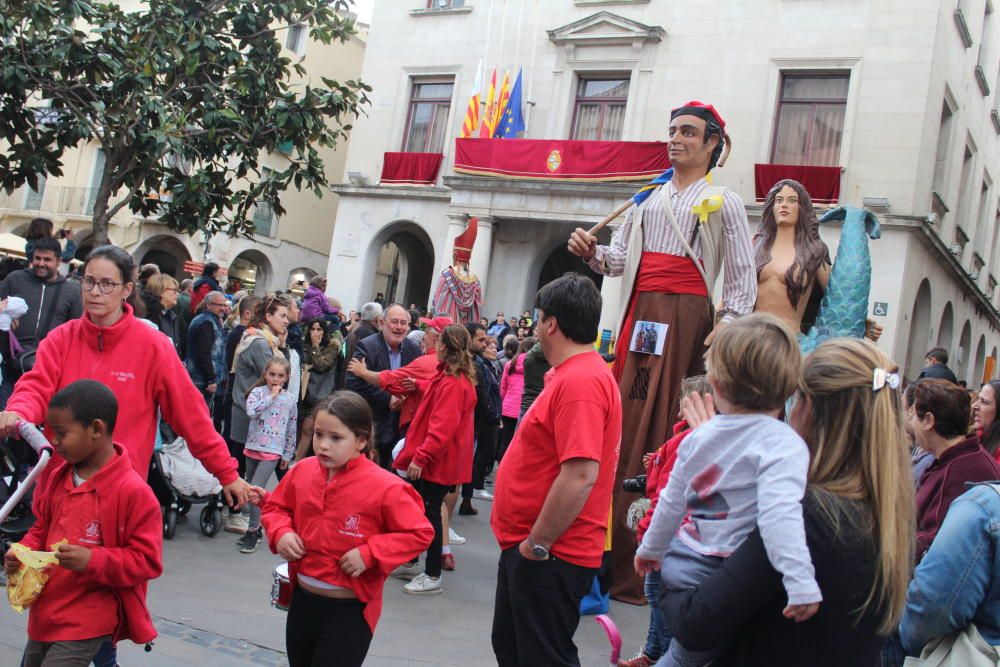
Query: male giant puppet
[459, 294]
[669, 252]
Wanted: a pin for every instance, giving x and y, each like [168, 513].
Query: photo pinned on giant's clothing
[649, 337]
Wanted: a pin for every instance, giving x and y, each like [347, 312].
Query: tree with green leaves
[182, 96]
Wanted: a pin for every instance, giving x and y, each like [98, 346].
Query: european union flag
[512, 121]
[646, 190]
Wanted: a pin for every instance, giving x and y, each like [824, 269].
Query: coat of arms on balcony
[554, 160]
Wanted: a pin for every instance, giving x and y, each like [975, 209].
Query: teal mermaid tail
[844, 307]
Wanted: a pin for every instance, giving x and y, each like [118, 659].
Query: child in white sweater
[741, 470]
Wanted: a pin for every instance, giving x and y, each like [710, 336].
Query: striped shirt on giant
[739, 289]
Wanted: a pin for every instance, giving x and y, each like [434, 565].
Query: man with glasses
[385, 351]
[206, 347]
[51, 301]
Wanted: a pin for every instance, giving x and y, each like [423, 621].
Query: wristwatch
[537, 550]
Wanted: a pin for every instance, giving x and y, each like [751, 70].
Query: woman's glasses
[106, 286]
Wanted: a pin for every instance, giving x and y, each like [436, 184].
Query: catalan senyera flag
[471, 124]
[486, 131]
[503, 99]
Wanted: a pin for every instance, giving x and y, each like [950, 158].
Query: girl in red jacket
[344, 524]
[439, 445]
[110, 522]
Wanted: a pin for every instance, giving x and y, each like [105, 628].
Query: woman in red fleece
[110, 521]
[138, 364]
[439, 444]
[343, 523]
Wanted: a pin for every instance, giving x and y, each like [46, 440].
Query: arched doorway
[400, 265]
[920, 329]
[167, 252]
[251, 271]
[946, 329]
[977, 379]
[298, 279]
[964, 351]
[560, 262]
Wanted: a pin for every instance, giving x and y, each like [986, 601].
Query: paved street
[211, 609]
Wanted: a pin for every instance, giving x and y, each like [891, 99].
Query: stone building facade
[901, 95]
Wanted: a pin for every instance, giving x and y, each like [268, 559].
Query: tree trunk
[101, 217]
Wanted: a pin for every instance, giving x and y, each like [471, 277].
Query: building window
[943, 148]
[445, 4]
[810, 121]
[599, 113]
[32, 197]
[263, 215]
[427, 120]
[296, 40]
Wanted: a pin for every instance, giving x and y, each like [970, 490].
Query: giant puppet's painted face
[688, 147]
[786, 207]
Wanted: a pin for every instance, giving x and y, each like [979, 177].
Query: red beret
[699, 109]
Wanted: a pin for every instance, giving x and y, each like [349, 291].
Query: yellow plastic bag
[25, 585]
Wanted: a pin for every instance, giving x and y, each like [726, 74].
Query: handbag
[965, 648]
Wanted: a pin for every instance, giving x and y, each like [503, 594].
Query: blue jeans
[658, 638]
[107, 656]
[683, 569]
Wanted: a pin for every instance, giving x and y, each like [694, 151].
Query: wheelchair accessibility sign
[880, 309]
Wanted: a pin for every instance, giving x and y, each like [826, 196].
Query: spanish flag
[471, 123]
[503, 99]
[486, 131]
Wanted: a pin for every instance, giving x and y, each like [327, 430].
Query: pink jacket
[511, 387]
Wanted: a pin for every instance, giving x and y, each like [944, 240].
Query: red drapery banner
[822, 183]
[568, 160]
[410, 168]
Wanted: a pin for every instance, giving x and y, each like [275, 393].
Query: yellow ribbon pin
[706, 207]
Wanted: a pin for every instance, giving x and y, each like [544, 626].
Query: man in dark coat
[937, 366]
[385, 351]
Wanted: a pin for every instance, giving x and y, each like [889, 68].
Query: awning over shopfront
[822, 183]
[548, 159]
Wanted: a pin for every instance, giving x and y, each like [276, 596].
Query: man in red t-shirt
[553, 489]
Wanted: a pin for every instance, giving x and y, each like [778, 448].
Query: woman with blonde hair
[859, 522]
[439, 445]
[160, 297]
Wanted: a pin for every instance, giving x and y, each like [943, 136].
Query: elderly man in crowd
[206, 347]
[383, 351]
[370, 322]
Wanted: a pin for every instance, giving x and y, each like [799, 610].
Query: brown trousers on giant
[650, 387]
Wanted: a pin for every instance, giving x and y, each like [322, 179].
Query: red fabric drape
[822, 183]
[410, 168]
[591, 161]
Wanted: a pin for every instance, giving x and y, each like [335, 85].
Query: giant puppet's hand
[582, 244]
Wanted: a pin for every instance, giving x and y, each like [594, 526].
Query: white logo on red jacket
[92, 533]
[123, 376]
[352, 526]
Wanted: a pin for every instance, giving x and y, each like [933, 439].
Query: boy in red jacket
[110, 520]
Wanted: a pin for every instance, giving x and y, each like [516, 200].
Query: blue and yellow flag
[646, 190]
[512, 120]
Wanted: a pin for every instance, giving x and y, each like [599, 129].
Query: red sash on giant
[658, 272]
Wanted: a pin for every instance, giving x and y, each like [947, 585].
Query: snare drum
[281, 589]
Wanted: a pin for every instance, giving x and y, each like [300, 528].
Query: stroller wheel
[169, 523]
[183, 507]
[211, 520]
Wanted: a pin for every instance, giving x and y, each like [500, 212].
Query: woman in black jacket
[859, 521]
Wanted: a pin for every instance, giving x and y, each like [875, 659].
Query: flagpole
[503, 28]
[530, 101]
[517, 42]
[489, 33]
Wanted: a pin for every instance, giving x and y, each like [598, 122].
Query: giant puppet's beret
[695, 108]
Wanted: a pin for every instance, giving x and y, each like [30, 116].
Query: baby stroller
[16, 458]
[179, 481]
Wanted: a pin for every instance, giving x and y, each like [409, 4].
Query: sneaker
[237, 523]
[408, 570]
[423, 585]
[640, 660]
[454, 538]
[249, 542]
[482, 494]
[448, 562]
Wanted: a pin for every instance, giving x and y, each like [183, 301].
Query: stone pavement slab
[211, 609]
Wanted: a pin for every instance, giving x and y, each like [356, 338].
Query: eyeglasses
[106, 286]
[218, 303]
[170, 289]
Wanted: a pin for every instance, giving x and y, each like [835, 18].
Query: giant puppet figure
[794, 279]
[670, 251]
[459, 294]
